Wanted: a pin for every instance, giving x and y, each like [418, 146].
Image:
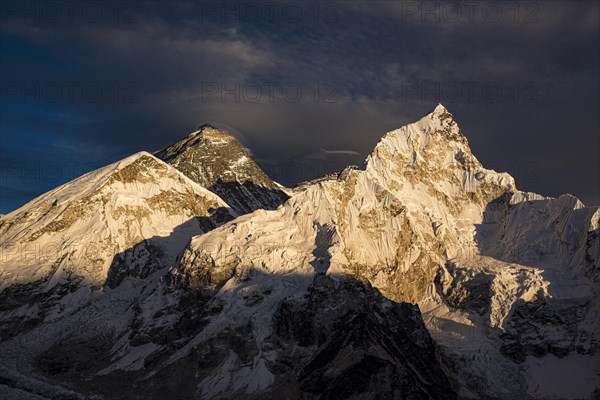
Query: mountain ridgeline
[190, 274]
[217, 161]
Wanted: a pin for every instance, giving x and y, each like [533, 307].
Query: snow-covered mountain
[127, 219]
[420, 274]
[507, 281]
[217, 161]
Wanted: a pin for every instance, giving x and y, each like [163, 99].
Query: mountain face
[421, 275]
[507, 281]
[130, 218]
[217, 161]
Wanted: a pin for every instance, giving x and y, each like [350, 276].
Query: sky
[309, 87]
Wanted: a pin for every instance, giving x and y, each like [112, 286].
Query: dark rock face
[466, 289]
[344, 340]
[25, 295]
[355, 344]
[216, 160]
[247, 196]
[527, 331]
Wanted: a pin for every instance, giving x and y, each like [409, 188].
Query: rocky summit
[217, 161]
[190, 274]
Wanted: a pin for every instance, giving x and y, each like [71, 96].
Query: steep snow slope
[216, 160]
[78, 227]
[424, 222]
[129, 218]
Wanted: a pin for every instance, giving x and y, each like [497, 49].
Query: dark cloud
[83, 90]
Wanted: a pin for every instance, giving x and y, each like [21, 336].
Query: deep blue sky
[85, 84]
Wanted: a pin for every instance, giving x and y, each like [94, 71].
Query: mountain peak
[217, 161]
[440, 110]
[436, 129]
[132, 159]
[217, 136]
[430, 151]
[445, 118]
[206, 126]
[209, 133]
[130, 206]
